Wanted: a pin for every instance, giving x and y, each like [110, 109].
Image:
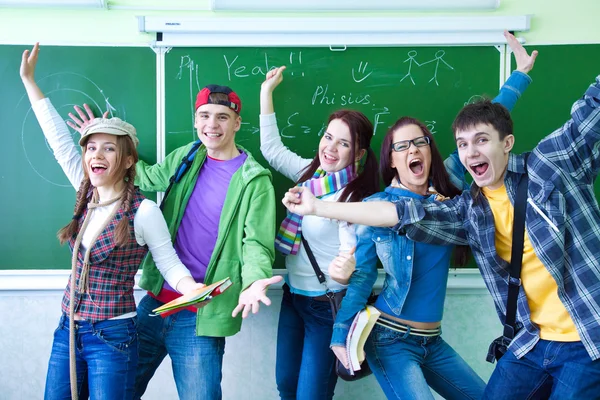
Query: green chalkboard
[429, 83]
[37, 198]
[561, 75]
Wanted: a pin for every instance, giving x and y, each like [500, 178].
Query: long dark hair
[361, 132]
[437, 173]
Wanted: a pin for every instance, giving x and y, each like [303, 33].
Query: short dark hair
[484, 112]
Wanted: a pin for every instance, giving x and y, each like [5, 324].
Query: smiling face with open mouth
[335, 147]
[414, 163]
[102, 160]
[484, 154]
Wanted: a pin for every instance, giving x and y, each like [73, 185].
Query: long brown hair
[438, 175]
[361, 132]
[125, 148]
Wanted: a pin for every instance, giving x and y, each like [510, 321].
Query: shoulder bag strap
[181, 170]
[313, 261]
[516, 257]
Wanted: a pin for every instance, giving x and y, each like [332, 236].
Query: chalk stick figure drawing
[362, 69]
[439, 56]
[410, 60]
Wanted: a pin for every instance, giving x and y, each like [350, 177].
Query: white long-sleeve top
[149, 224]
[326, 237]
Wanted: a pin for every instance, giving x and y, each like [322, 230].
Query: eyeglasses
[405, 144]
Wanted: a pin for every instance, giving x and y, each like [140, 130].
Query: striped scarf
[289, 236]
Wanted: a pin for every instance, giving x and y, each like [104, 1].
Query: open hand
[84, 119]
[522, 58]
[342, 267]
[251, 297]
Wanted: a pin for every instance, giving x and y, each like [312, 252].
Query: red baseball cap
[234, 101]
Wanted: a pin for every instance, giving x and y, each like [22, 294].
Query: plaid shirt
[111, 274]
[562, 169]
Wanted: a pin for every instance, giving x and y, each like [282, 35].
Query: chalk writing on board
[299, 58]
[31, 139]
[377, 120]
[242, 71]
[288, 125]
[249, 128]
[322, 95]
[439, 56]
[362, 72]
[474, 99]
[431, 126]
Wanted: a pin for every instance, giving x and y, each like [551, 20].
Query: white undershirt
[326, 237]
[149, 224]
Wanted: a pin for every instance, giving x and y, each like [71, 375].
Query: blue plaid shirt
[562, 169]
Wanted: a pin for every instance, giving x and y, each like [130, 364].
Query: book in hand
[357, 336]
[205, 293]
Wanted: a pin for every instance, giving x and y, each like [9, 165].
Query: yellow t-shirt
[547, 311]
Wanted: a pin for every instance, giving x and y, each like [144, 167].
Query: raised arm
[574, 147]
[510, 92]
[27, 71]
[519, 80]
[272, 148]
[55, 130]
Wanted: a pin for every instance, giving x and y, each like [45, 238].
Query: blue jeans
[196, 360]
[304, 366]
[106, 357]
[551, 370]
[407, 365]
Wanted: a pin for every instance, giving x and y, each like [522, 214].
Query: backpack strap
[181, 170]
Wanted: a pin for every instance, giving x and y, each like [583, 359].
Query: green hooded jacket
[244, 250]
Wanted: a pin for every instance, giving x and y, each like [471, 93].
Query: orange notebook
[205, 293]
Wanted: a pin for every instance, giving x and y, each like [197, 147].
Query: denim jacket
[396, 251]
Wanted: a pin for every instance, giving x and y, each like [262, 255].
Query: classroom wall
[550, 24]
[29, 319]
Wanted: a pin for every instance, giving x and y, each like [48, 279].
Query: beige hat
[111, 126]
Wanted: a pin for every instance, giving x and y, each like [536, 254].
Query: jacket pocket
[383, 240]
[549, 205]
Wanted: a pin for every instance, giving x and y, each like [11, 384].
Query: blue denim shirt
[562, 220]
[396, 253]
[394, 250]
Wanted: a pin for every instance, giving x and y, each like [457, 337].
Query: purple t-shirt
[197, 234]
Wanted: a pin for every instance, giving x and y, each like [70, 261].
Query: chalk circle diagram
[474, 99]
[79, 89]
